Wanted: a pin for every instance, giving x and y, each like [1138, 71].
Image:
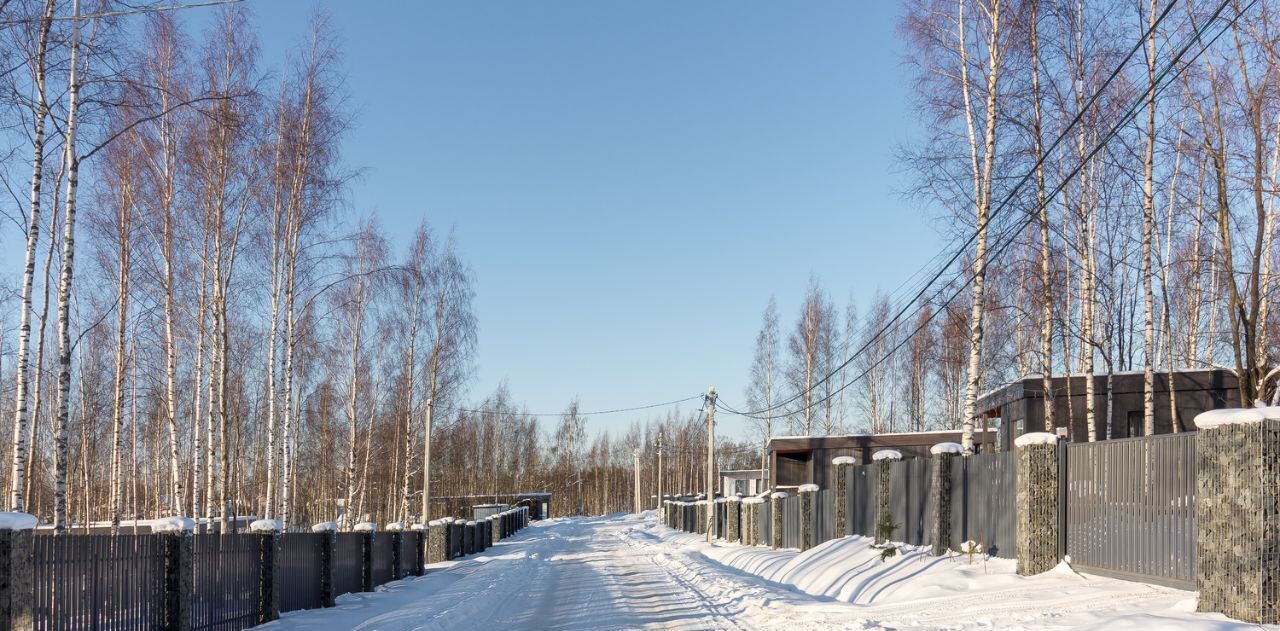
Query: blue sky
[632, 180]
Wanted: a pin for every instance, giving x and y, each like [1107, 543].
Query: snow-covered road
[623, 572]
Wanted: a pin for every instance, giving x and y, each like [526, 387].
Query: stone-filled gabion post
[775, 511]
[437, 541]
[941, 456]
[733, 518]
[751, 529]
[179, 549]
[884, 460]
[268, 533]
[495, 528]
[701, 518]
[1237, 511]
[843, 465]
[807, 494]
[366, 530]
[1037, 503]
[328, 562]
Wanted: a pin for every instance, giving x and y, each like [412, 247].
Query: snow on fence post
[1237, 503]
[843, 464]
[883, 459]
[328, 561]
[267, 532]
[807, 493]
[775, 511]
[179, 548]
[1037, 503]
[940, 494]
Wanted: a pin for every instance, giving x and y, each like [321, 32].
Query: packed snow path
[622, 572]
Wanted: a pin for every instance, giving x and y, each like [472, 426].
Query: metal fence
[910, 483]
[1130, 508]
[824, 516]
[984, 491]
[861, 500]
[348, 562]
[790, 507]
[98, 582]
[227, 570]
[764, 527]
[410, 554]
[300, 559]
[381, 568]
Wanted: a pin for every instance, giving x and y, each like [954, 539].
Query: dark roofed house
[1018, 408]
[796, 460]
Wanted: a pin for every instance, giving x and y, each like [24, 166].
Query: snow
[839, 460]
[17, 521]
[779, 495]
[753, 500]
[1036, 438]
[1232, 416]
[325, 526]
[946, 448]
[395, 526]
[625, 572]
[365, 526]
[886, 454]
[173, 524]
[809, 488]
[265, 525]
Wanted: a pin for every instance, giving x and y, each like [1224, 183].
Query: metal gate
[1130, 508]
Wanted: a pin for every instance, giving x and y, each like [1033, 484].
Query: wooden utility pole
[426, 466]
[711, 460]
[635, 454]
[660, 496]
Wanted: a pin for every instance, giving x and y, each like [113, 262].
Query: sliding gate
[1130, 508]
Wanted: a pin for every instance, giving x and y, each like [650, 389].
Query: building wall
[806, 460]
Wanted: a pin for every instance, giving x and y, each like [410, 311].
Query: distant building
[744, 481]
[1018, 407]
[796, 460]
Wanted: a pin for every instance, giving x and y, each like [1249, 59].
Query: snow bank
[946, 448]
[809, 488]
[1036, 438]
[18, 521]
[839, 460]
[265, 525]
[1232, 416]
[325, 526]
[365, 526]
[886, 454]
[780, 495]
[168, 524]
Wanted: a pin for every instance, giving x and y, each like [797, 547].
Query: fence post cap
[265, 525]
[395, 526]
[1036, 438]
[779, 495]
[753, 500]
[17, 521]
[1233, 416]
[839, 460]
[173, 524]
[946, 448]
[809, 488]
[365, 526]
[325, 526]
[886, 454]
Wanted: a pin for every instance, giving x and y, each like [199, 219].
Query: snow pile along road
[625, 572]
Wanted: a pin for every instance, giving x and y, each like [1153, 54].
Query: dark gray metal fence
[300, 557]
[1130, 508]
[824, 516]
[983, 502]
[98, 582]
[790, 507]
[410, 553]
[348, 563]
[765, 524]
[862, 494]
[909, 487]
[381, 558]
[225, 582]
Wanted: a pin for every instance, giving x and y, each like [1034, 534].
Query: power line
[560, 414]
[1152, 90]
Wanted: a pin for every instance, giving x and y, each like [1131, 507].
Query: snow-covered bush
[970, 548]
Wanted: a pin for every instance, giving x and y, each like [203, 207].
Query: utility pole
[660, 496]
[711, 461]
[426, 467]
[635, 454]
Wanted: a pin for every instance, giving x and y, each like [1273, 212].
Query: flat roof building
[796, 460]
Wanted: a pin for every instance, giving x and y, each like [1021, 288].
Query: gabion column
[1037, 503]
[751, 533]
[843, 465]
[775, 511]
[942, 455]
[733, 518]
[1237, 506]
[807, 493]
[884, 459]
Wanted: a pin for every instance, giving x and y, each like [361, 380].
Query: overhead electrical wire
[999, 248]
[561, 414]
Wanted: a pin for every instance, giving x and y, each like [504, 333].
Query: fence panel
[409, 553]
[909, 484]
[862, 500]
[983, 502]
[824, 516]
[348, 563]
[1131, 508]
[381, 569]
[300, 570]
[226, 572]
[98, 582]
[790, 507]
[765, 526]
